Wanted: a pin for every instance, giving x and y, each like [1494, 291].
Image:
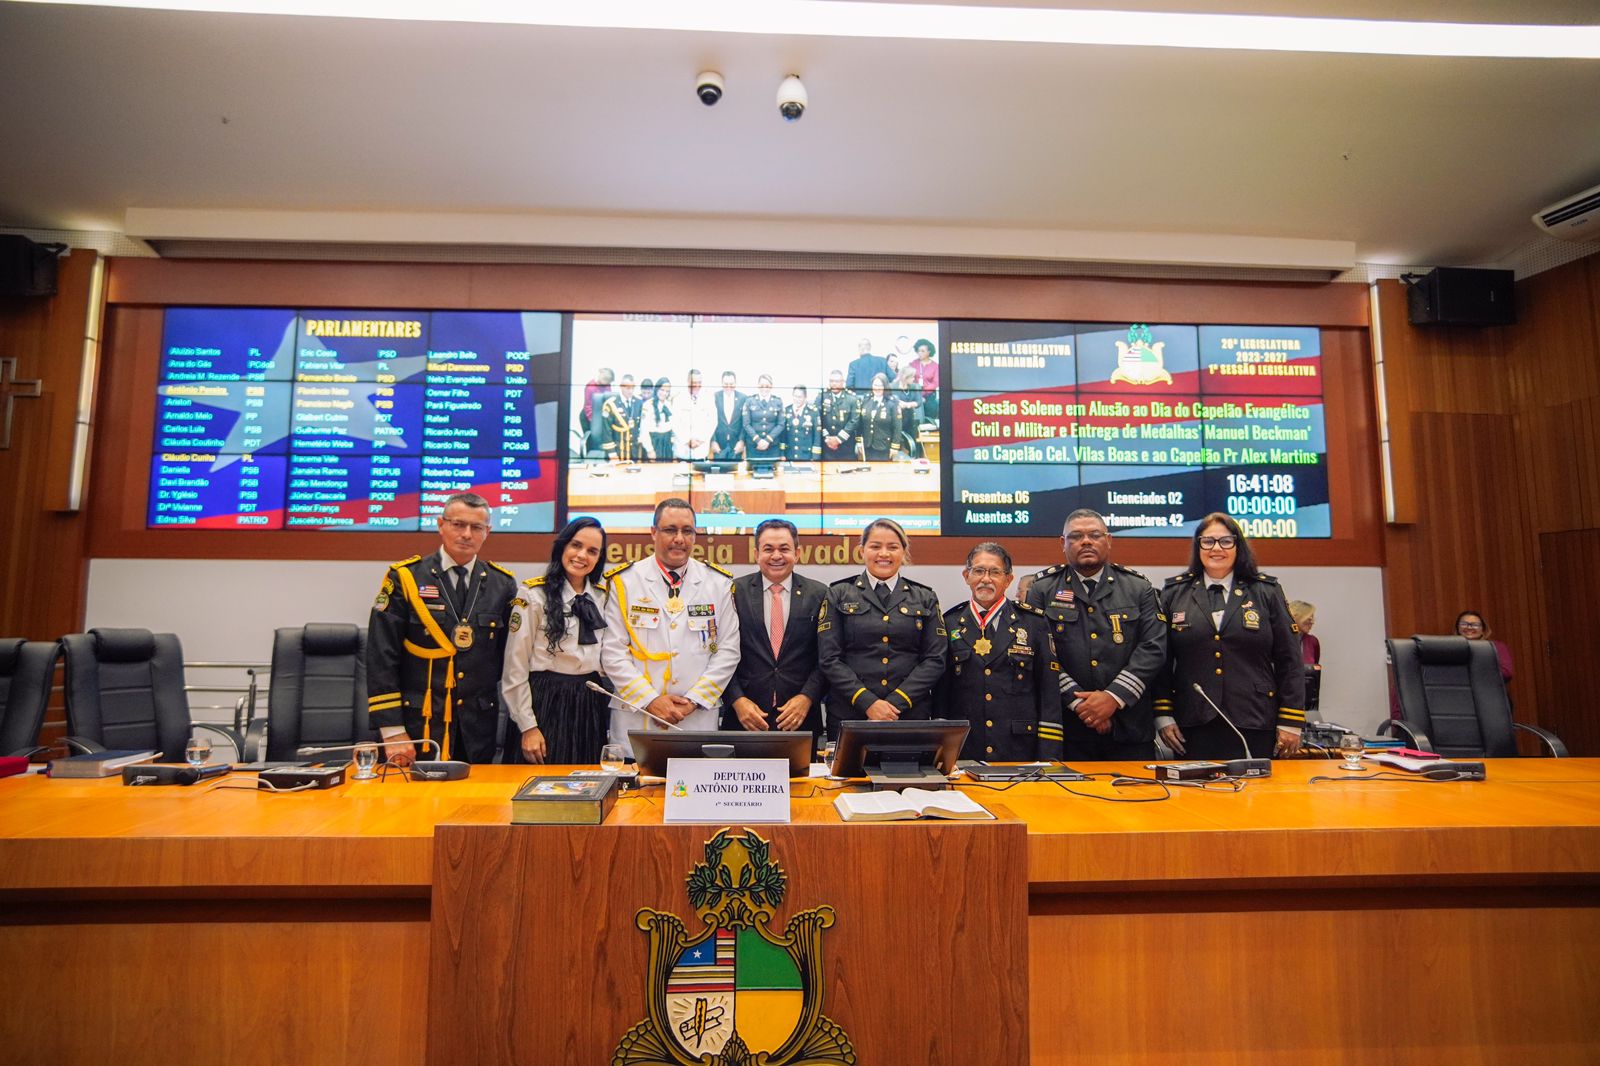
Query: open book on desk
[907, 805]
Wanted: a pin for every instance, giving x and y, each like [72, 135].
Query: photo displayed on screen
[825, 422]
[1154, 426]
[369, 420]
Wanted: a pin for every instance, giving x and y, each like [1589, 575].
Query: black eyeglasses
[1218, 542]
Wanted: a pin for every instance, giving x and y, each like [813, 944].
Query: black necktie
[1088, 588]
[1219, 598]
[588, 616]
[460, 575]
[674, 581]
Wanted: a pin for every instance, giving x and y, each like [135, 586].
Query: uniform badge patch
[702, 610]
[428, 592]
[1064, 595]
[1252, 620]
[382, 602]
[516, 621]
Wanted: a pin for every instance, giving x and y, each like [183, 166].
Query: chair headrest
[330, 638]
[1443, 651]
[8, 653]
[123, 645]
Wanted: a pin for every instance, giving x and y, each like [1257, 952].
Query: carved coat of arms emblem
[735, 992]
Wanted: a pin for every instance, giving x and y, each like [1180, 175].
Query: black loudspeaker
[26, 268]
[1463, 296]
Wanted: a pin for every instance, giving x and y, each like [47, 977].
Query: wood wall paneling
[1572, 576]
[42, 556]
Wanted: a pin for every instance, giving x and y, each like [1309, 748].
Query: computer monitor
[1313, 693]
[913, 752]
[653, 747]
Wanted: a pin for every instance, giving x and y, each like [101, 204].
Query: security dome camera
[708, 86]
[791, 98]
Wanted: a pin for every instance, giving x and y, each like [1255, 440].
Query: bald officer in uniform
[435, 643]
[1002, 674]
[1111, 642]
[671, 641]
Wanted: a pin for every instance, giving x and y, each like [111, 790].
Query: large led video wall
[368, 420]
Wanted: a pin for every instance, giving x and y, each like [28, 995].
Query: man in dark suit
[778, 684]
[728, 439]
[864, 367]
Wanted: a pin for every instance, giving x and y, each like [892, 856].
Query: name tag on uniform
[640, 608]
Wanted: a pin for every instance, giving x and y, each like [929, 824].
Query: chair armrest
[82, 745]
[228, 734]
[27, 753]
[255, 740]
[1558, 750]
[1414, 738]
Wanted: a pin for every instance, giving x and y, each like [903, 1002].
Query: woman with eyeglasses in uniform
[1230, 633]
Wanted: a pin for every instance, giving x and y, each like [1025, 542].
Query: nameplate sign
[727, 790]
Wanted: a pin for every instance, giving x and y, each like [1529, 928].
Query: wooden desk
[1456, 920]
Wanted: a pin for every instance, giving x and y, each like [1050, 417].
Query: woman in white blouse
[554, 651]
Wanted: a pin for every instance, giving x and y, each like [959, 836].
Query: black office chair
[27, 670]
[1453, 700]
[125, 692]
[318, 696]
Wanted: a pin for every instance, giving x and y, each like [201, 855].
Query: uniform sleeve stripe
[903, 696]
[1051, 731]
[1130, 681]
[857, 695]
[1291, 715]
[1067, 684]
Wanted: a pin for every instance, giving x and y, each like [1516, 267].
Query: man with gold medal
[671, 640]
[1001, 673]
[436, 641]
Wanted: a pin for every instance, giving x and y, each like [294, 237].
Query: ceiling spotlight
[791, 98]
[708, 86]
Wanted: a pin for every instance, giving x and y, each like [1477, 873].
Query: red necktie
[775, 628]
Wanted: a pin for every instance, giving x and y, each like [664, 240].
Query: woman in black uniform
[880, 424]
[880, 636]
[1230, 633]
[554, 650]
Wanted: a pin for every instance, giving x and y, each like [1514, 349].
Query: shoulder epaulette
[1049, 571]
[405, 562]
[851, 580]
[918, 585]
[1129, 570]
[534, 582]
[615, 570]
[725, 573]
[1179, 578]
[1027, 608]
[1267, 578]
[957, 609]
[503, 570]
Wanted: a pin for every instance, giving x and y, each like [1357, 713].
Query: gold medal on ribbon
[982, 645]
[675, 604]
[463, 636]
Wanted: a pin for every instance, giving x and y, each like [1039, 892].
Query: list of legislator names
[274, 418]
[1154, 426]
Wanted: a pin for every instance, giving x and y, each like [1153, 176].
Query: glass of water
[614, 759]
[1351, 747]
[198, 752]
[366, 761]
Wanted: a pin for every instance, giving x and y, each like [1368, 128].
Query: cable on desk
[1443, 773]
[258, 786]
[1037, 775]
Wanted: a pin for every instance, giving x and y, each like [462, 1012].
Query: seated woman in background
[1305, 616]
[1473, 626]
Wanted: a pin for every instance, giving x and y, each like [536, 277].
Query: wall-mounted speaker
[26, 268]
[1462, 296]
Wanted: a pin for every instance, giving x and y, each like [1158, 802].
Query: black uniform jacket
[405, 650]
[796, 671]
[876, 650]
[1115, 640]
[1251, 667]
[1011, 693]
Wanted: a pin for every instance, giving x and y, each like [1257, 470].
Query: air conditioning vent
[1576, 218]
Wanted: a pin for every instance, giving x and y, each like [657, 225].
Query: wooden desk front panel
[536, 957]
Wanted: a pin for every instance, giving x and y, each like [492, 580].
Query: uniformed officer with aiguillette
[1002, 674]
[1110, 640]
[764, 426]
[436, 641]
[671, 640]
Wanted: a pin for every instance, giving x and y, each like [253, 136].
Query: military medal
[463, 636]
[675, 604]
[982, 646]
[1116, 629]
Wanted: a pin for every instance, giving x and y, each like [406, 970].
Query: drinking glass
[366, 760]
[1351, 747]
[198, 752]
[614, 759]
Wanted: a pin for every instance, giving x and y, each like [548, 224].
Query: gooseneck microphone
[1247, 766]
[631, 705]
